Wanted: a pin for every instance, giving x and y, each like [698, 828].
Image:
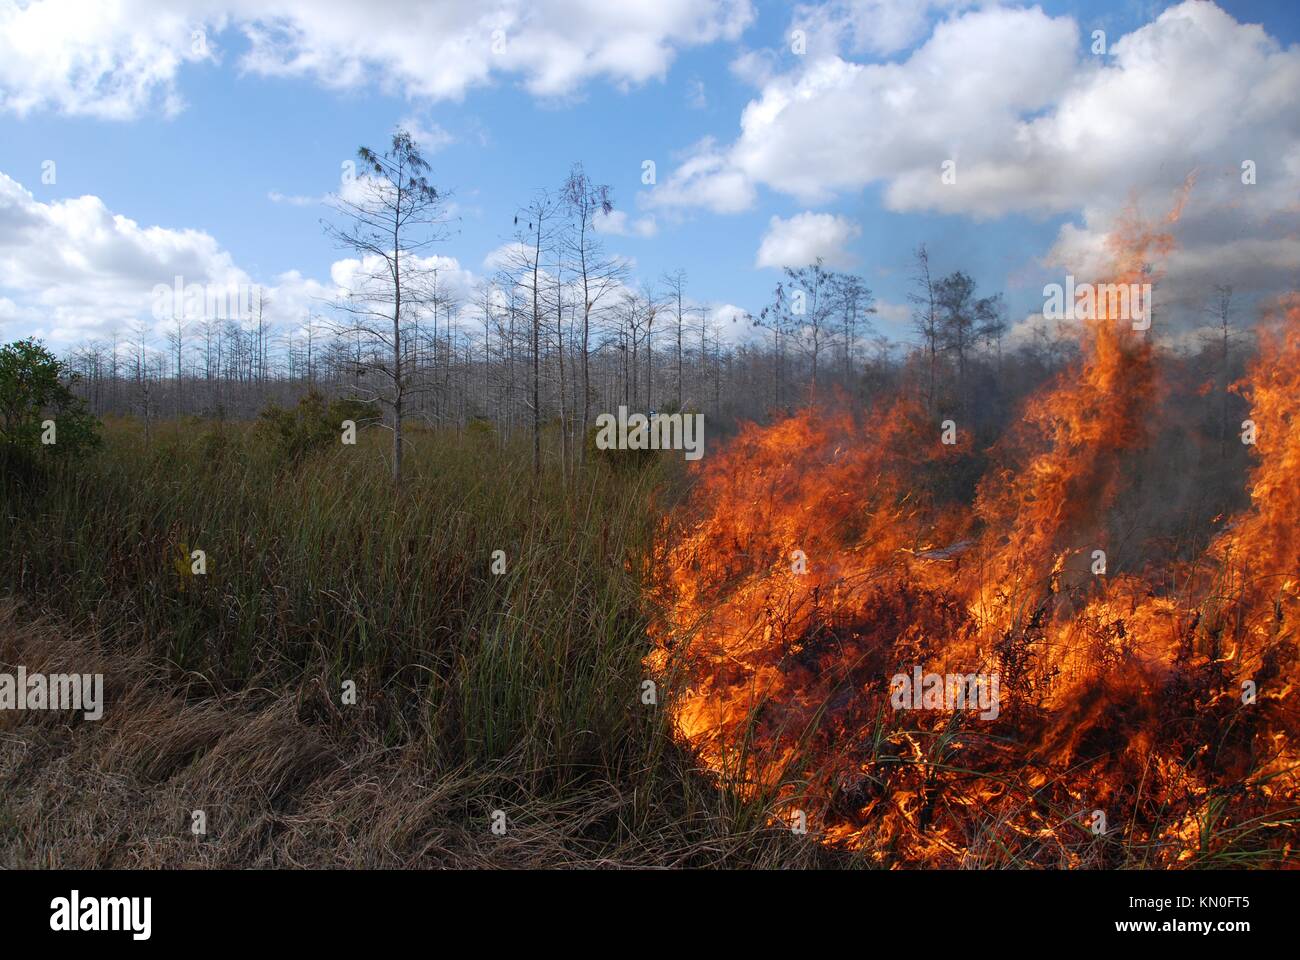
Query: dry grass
[475, 692]
[285, 781]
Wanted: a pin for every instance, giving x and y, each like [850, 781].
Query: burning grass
[1147, 717]
[814, 562]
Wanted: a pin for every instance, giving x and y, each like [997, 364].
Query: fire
[814, 582]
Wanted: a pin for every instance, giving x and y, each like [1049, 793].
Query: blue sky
[247, 133]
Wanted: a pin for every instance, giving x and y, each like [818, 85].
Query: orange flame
[814, 565]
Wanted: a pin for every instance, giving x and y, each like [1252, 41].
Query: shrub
[481, 431]
[312, 425]
[34, 388]
[629, 459]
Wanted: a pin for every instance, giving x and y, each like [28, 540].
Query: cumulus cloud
[76, 268]
[806, 237]
[294, 199]
[617, 223]
[99, 59]
[71, 270]
[1033, 123]
[117, 60]
[430, 137]
[836, 125]
[706, 178]
[732, 325]
[892, 319]
[879, 27]
[1031, 120]
[503, 256]
[361, 277]
[697, 97]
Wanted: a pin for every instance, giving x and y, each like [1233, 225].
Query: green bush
[34, 389]
[633, 460]
[312, 425]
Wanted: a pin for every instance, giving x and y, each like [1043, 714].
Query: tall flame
[812, 566]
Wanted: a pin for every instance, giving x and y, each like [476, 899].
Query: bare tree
[635, 314]
[854, 302]
[176, 341]
[954, 296]
[675, 285]
[260, 330]
[651, 305]
[1223, 338]
[801, 311]
[558, 287]
[925, 319]
[143, 378]
[535, 235]
[393, 213]
[991, 323]
[597, 274]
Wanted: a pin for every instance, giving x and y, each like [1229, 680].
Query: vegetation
[520, 691]
[396, 217]
[39, 414]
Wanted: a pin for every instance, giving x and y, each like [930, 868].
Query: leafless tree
[675, 293]
[392, 215]
[801, 311]
[925, 320]
[597, 274]
[536, 227]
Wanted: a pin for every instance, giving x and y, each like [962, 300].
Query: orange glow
[811, 565]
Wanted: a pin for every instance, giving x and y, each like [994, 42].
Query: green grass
[526, 684]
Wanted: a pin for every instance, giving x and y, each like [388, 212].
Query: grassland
[476, 692]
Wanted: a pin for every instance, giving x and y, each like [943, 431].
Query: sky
[141, 141]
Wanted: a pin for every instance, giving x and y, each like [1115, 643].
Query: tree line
[557, 333]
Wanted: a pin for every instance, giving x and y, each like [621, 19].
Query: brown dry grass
[284, 780]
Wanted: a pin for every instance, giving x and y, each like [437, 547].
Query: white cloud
[78, 269]
[696, 96]
[1034, 124]
[117, 60]
[454, 282]
[733, 325]
[836, 125]
[879, 27]
[616, 223]
[1032, 121]
[754, 67]
[293, 200]
[803, 238]
[428, 136]
[892, 319]
[728, 313]
[508, 253]
[110, 60]
[72, 270]
[706, 179]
